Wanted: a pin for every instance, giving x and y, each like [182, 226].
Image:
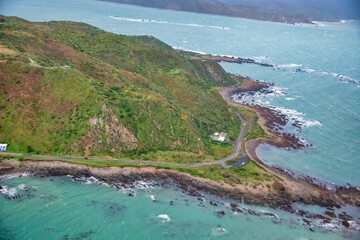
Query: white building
[3, 147]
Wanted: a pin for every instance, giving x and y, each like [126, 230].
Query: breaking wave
[164, 218]
[291, 65]
[341, 77]
[139, 20]
[296, 117]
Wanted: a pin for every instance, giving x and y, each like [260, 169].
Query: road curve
[235, 153]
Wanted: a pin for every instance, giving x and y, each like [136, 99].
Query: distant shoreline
[222, 9]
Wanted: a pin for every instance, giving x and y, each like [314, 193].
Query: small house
[219, 137]
[3, 147]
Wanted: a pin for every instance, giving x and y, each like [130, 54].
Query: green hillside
[72, 89]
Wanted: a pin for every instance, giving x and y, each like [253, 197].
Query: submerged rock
[219, 213]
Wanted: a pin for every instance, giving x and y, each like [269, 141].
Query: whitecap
[218, 27]
[291, 65]
[290, 99]
[343, 78]
[189, 24]
[309, 70]
[320, 24]
[140, 20]
[22, 187]
[164, 218]
[311, 123]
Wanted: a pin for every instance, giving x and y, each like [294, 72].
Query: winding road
[235, 153]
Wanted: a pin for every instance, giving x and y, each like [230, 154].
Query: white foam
[140, 20]
[321, 24]
[346, 21]
[143, 184]
[260, 98]
[354, 225]
[262, 102]
[311, 123]
[331, 227]
[217, 27]
[188, 50]
[343, 78]
[278, 91]
[290, 99]
[13, 175]
[309, 70]
[87, 180]
[9, 192]
[259, 59]
[291, 65]
[294, 115]
[164, 218]
[22, 187]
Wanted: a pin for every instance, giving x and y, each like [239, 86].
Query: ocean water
[61, 208]
[324, 94]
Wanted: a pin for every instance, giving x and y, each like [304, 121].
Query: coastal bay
[299, 178]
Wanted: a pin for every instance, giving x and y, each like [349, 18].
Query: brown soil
[7, 51]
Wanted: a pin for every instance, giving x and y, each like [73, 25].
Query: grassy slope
[139, 81]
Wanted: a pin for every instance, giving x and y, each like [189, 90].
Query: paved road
[235, 153]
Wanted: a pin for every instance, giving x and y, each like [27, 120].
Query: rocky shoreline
[220, 58]
[284, 194]
[271, 121]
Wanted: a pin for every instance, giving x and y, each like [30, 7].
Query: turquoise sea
[316, 82]
[61, 208]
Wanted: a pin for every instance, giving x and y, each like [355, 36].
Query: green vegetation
[250, 174]
[253, 129]
[122, 96]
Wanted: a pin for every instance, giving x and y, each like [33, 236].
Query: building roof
[219, 137]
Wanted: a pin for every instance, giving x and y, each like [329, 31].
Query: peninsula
[135, 108]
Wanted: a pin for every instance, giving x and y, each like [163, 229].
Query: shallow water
[325, 95]
[61, 208]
